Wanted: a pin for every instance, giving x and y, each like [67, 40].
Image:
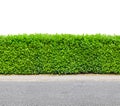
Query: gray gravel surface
[60, 93]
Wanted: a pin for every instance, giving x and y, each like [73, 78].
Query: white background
[60, 16]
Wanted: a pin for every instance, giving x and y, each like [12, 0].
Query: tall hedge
[59, 54]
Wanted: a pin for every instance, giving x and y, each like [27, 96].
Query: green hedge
[59, 54]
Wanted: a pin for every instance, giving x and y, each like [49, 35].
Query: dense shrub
[59, 54]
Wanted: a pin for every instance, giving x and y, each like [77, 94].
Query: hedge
[59, 54]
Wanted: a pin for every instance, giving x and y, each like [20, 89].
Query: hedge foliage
[59, 54]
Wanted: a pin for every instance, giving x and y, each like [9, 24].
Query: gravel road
[50, 90]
